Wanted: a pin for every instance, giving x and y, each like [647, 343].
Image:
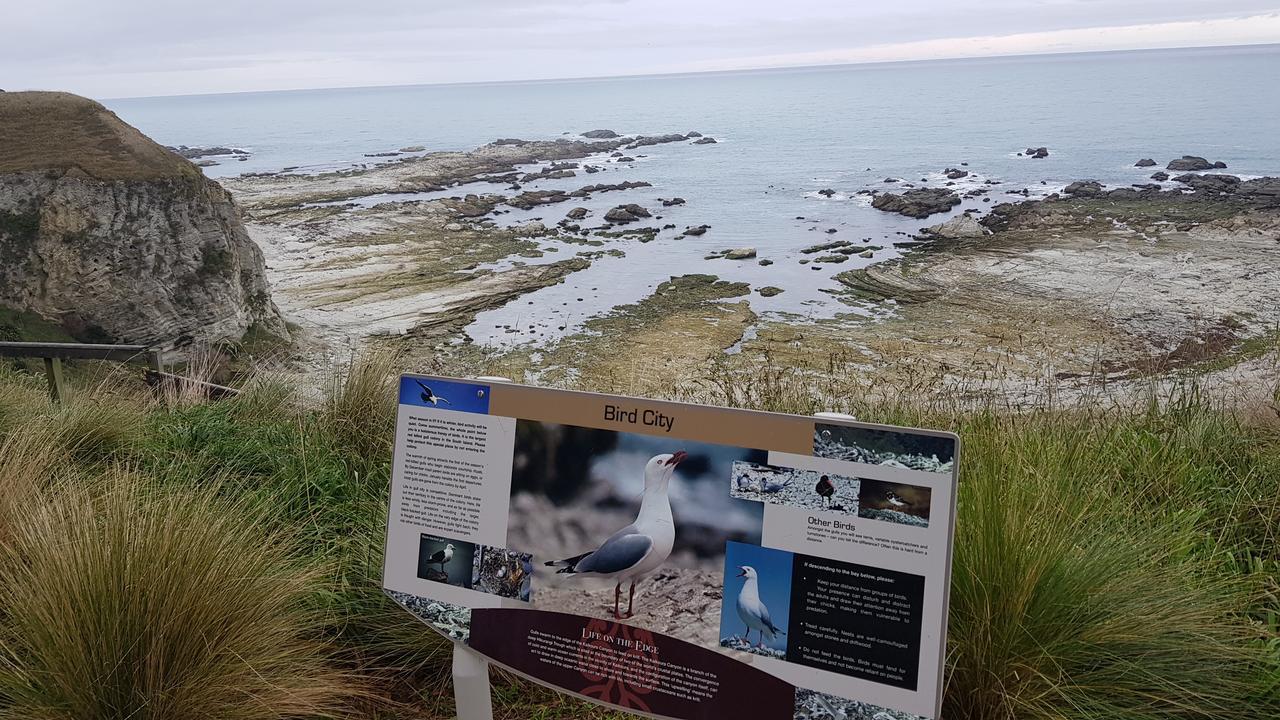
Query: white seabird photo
[635, 551]
[442, 557]
[752, 610]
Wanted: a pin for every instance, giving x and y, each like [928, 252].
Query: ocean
[783, 135]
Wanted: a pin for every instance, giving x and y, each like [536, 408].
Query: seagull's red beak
[677, 458]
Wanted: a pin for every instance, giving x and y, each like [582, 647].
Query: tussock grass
[120, 602]
[1113, 561]
[1073, 597]
[360, 406]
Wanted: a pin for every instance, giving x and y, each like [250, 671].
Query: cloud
[146, 47]
[1257, 29]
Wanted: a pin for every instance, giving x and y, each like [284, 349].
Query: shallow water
[783, 135]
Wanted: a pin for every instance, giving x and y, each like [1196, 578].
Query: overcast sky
[124, 48]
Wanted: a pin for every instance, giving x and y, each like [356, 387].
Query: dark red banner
[628, 667]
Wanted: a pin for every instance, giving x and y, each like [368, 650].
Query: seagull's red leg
[631, 599]
[617, 597]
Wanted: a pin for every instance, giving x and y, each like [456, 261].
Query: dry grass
[57, 130]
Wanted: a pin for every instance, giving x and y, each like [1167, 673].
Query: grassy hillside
[1111, 563]
[61, 131]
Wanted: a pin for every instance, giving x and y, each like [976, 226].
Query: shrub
[132, 604]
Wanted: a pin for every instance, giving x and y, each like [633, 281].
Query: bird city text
[650, 418]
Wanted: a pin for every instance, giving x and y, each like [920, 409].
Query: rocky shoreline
[424, 260]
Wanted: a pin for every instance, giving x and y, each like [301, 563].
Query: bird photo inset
[795, 487]
[916, 451]
[894, 502]
[757, 600]
[445, 560]
[632, 553]
[753, 611]
[502, 572]
[628, 527]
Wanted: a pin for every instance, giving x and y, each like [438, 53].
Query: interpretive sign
[675, 560]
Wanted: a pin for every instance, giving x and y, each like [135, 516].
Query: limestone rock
[1193, 163]
[963, 226]
[918, 203]
[626, 213]
[117, 238]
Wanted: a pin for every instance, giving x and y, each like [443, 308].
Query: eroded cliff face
[122, 241]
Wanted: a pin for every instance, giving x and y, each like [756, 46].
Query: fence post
[53, 373]
[472, 696]
[157, 359]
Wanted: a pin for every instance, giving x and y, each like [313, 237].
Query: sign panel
[675, 560]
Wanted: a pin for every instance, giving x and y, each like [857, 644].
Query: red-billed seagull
[752, 610]
[638, 549]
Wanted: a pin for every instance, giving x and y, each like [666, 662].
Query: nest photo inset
[793, 487]
[445, 561]
[502, 572]
[930, 453]
[894, 502]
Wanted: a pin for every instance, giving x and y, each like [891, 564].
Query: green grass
[1111, 563]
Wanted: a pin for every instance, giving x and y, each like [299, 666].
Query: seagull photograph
[807, 489]
[753, 611]
[445, 560]
[632, 553]
[757, 600]
[627, 527]
[894, 502]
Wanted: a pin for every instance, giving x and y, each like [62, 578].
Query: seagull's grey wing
[624, 549]
[763, 612]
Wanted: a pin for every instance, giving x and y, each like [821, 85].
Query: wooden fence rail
[54, 353]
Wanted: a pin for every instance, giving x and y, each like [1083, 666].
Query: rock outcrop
[961, 227]
[117, 238]
[1193, 163]
[919, 203]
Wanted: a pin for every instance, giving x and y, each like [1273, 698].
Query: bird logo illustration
[430, 397]
[635, 551]
[752, 610]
